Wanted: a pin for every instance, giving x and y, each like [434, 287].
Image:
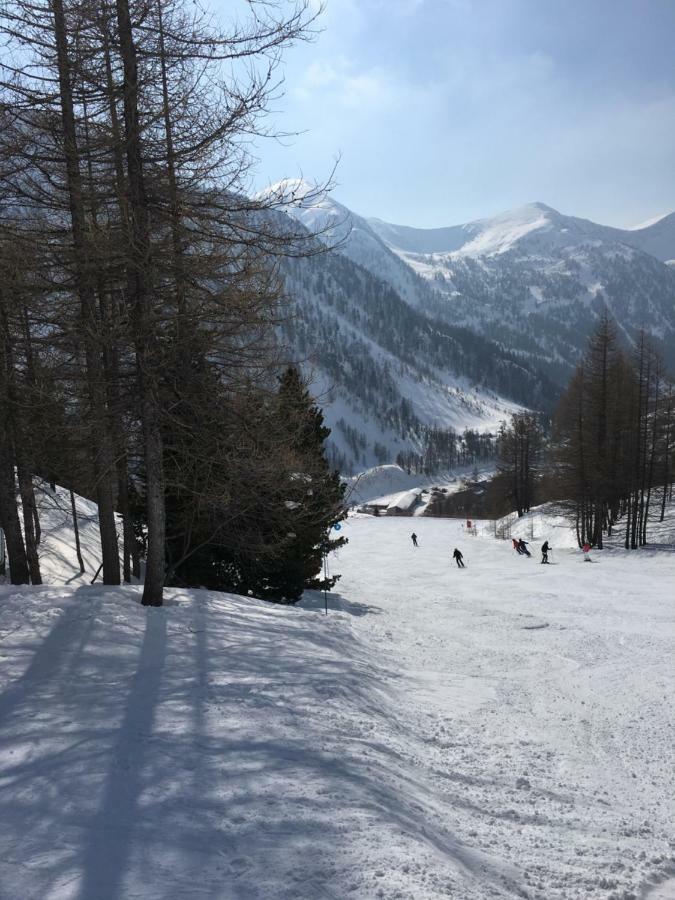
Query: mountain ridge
[656, 238]
[417, 340]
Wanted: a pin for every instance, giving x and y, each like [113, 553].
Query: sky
[444, 111]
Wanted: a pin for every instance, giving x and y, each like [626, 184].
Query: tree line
[608, 459]
[443, 449]
[140, 297]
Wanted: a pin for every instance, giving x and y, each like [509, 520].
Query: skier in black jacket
[523, 547]
[544, 552]
[413, 537]
[457, 556]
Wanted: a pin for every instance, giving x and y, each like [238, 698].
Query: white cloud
[340, 83]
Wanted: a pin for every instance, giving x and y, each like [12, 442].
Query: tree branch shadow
[336, 603]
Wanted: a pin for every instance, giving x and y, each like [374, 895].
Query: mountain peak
[294, 192]
[540, 207]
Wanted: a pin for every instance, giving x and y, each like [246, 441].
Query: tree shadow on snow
[336, 603]
[112, 829]
[211, 749]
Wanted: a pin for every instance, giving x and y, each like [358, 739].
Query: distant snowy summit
[311, 204]
[536, 280]
[529, 228]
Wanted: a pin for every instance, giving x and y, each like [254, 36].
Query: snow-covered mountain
[354, 238]
[536, 280]
[532, 228]
[388, 373]
[451, 327]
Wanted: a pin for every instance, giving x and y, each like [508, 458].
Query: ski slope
[544, 695]
[504, 731]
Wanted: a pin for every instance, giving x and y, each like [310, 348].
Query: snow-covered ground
[498, 732]
[544, 694]
[58, 554]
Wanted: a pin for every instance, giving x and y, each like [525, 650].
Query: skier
[544, 552]
[523, 547]
[457, 556]
[414, 539]
[587, 552]
[516, 546]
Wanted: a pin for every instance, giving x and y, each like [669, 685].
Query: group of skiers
[519, 545]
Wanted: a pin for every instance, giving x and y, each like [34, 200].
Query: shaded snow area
[503, 731]
[214, 748]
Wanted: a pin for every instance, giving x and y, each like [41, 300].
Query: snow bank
[548, 523]
[542, 523]
[57, 549]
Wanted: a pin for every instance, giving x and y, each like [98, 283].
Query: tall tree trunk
[103, 461]
[637, 461]
[666, 454]
[76, 531]
[178, 251]
[130, 562]
[31, 380]
[29, 512]
[109, 321]
[652, 456]
[138, 290]
[9, 513]
[17, 438]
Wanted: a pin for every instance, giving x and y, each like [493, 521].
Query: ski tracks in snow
[541, 705]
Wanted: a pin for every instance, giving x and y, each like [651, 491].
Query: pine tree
[316, 493]
[251, 497]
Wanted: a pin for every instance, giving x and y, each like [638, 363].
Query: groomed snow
[498, 732]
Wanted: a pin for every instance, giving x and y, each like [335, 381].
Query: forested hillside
[388, 372]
